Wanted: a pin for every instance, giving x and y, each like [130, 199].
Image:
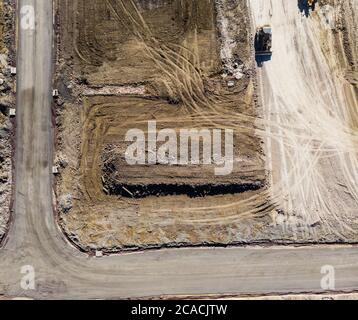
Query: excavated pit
[162, 190]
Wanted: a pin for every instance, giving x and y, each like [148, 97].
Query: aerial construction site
[177, 125]
[178, 61]
[196, 64]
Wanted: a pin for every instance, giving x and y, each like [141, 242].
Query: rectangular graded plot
[125, 41]
[171, 47]
[154, 206]
[118, 116]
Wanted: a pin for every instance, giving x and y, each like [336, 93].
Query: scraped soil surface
[114, 45]
[184, 64]
[189, 76]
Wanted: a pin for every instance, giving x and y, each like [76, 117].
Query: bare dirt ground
[311, 112]
[6, 102]
[174, 67]
[112, 48]
[122, 63]
[64, 272]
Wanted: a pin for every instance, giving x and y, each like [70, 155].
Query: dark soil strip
[192, 191]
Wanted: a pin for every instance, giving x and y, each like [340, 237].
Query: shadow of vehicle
[261, 59]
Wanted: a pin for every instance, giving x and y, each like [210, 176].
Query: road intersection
[61, 271]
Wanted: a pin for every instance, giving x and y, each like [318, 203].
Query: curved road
[63, 272]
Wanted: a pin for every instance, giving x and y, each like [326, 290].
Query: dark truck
[263, 41]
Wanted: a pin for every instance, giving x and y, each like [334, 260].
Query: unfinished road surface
[62, 272]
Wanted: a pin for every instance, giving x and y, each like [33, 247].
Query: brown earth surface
[117, 42]
[183, 64]
[340, 45]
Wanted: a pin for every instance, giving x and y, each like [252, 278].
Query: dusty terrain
[6, 102]
[113, 45]
[64, 272]
[311, 110]
[183, 81]
[125, 66]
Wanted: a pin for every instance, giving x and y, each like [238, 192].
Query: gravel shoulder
[7, 101]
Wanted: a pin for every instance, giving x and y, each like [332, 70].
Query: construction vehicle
[263, 41]
[311, 3]
[306, 5]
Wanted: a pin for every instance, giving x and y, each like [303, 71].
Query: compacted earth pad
[168, 63]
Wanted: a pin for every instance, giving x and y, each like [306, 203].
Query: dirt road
[63, 272]
[311, 144]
